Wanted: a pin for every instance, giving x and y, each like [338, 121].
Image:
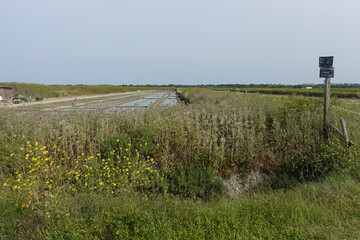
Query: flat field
[159, 173]
[314, 92]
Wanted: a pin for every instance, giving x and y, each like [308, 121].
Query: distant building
[308, 87]
[7, 93]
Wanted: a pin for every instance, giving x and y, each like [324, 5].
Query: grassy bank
[328, 209]
[46, 91]
[157, 173]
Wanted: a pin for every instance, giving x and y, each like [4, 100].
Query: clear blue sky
[177, 41]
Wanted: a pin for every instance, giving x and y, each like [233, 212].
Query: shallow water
[145, 102]
[169, 102]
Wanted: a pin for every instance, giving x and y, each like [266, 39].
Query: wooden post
[245, 93]
[326, 108]
[344, 131]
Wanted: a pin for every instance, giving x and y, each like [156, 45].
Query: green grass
[156, 174]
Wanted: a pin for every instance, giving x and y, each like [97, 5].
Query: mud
[241, 184]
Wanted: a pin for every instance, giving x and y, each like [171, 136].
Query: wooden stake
[337, 131]
[343, 134]
[326, 108]
[344, 131]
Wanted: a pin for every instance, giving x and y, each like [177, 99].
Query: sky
[177, 41]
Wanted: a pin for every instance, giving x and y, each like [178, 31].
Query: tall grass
[232, 134]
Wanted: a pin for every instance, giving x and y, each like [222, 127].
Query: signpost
[326, 62]
[327, 72]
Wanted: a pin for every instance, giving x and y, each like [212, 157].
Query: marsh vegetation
[157, 173]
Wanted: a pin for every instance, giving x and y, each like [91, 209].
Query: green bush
[324, 159]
